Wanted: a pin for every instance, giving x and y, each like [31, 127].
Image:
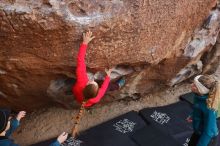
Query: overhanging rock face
[145, 39]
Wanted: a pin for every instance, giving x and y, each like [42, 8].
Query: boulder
[150, 42]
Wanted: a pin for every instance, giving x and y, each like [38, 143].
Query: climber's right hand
[108, 71]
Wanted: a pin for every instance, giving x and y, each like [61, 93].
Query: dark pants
[111, 87]
[195, 138]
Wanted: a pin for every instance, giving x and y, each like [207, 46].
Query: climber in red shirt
[83, 88]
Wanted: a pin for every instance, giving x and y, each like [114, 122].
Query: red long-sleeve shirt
[82, 80]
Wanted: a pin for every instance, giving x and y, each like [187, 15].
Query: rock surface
[146, 40]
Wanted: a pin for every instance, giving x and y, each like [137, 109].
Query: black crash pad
[115, 132]
[171, 119]
[151, 136]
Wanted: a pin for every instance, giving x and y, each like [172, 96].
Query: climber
[85, 88]
[9, 124]
[87, 92]
[206, 101]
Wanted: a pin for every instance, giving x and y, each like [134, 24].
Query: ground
[49, 122]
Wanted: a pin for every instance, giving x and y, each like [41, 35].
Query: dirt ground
[46, 123]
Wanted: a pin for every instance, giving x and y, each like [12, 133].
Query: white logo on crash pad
[160, 118]
[187, 142]
[72, 142]
[124, 126]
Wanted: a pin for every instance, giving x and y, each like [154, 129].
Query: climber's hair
[210, 82]
[90, 91]
[77, 119]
